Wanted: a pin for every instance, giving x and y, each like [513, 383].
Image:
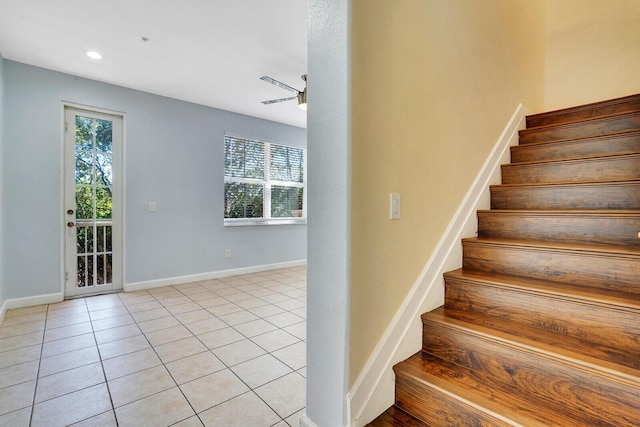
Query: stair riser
[577, 196]
[597, 270]
[579, 228]
[536, 375]
[594, 127]
[439, 409]
[576, 148]
[598, 169]
[620, 105]
[601, 325]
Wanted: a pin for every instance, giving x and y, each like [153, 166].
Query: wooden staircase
[541, 325]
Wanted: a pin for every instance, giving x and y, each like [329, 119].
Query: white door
[93, 202]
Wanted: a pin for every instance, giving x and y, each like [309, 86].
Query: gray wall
[2, 297]
[328, 270]
[173, 156]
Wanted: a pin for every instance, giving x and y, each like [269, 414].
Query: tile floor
[225, 352]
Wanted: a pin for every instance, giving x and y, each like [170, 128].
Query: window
[264, 183]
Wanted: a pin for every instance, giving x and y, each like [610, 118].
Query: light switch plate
[394, 205]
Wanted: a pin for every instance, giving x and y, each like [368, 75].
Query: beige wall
[434, 82]
[593, 51]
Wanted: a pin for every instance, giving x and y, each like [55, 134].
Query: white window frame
[268, 183]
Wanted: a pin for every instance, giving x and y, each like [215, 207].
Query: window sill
[242, 222]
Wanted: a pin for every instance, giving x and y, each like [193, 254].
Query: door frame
[118, 187]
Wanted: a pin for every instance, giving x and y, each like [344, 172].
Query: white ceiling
[210, 52]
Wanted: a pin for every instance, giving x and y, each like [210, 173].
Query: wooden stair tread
[498, 399]
[532, 341]
[619, 299]
[394, 417]
[558, 246]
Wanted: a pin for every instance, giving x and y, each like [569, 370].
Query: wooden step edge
[609, 300]
[465, 396]
[584, 107]
[552, 246]
[559, 184]
[587, 364]
[489, 400]
[605, 118]
[604, 213]
[610, 135]
[578, 159]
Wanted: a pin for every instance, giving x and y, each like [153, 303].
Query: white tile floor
[225, 352]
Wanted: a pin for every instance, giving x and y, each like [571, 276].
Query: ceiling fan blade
[273, 101]
[279, 84]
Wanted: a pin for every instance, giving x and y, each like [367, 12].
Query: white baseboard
[3, 310]
[29, 301]
[57, 297]
[170, 281]
[306, 422]
[373, 390]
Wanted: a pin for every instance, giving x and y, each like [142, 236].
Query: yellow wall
[434, 82]
[593, 51]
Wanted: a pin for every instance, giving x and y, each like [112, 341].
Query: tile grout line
[35, 388]
[193, 298]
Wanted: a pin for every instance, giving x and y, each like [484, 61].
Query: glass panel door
[92, 145]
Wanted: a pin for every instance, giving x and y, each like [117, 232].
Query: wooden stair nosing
[458, 382]
[558, 184]
[549, 373]
[549, 245]
[604, 168]
[594, 109]
[577, 159]
[444, 404]
[613, 213]
[617, 142]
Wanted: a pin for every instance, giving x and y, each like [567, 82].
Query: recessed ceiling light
[94, 55]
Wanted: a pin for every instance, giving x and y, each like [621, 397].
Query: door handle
[70, 224]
